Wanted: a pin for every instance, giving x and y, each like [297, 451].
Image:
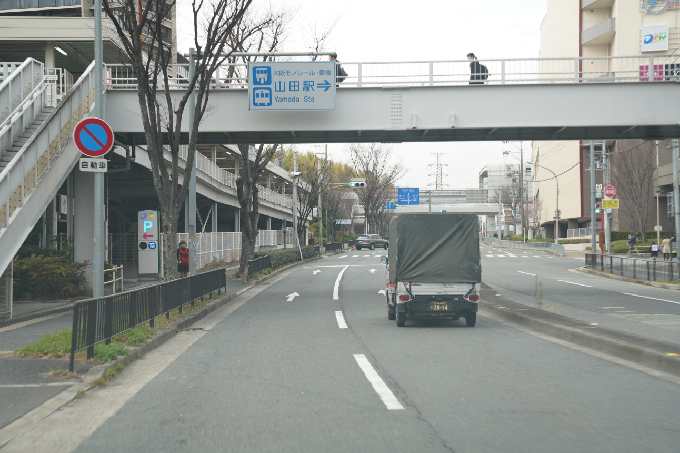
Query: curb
[35, 315]
[627, 347]
[32, 417]
[669, 286]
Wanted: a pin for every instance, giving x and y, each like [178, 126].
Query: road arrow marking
[371, 271]
[382, 291]
[325, 85]
[292, 296]
[316, 272]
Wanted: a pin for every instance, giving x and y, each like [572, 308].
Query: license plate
[439, 306]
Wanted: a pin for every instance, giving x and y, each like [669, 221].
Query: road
[644, 310]
[269, 374]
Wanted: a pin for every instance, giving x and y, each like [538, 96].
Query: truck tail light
[393, 284]
[404, 297]
[473, 297]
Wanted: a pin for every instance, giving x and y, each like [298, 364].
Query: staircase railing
[22, 98]
[33, 161]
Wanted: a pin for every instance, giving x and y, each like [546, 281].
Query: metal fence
[656, 68]
[524, 245]
[333, 246]
[635, 268]
[99, 320]
[259, 264]
[579, 233]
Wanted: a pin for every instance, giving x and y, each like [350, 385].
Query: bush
[281, 257]
[48, 277]
[575, 241]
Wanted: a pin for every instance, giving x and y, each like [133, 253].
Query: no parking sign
[93, 137]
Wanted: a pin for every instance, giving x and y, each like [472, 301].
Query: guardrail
[579, 233]
[511, 71]
[99, 320]
[259, 264]
[556, 248]
[333, 246]
[635, 268]
[22, 98]
[113, 280]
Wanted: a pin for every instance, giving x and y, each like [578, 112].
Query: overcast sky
[407, 30]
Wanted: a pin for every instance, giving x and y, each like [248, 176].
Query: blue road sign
[290, 85]
[390, 206]
[93, 137]
[408, 196]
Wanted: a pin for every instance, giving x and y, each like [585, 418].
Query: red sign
[93, 137]
[610, 191]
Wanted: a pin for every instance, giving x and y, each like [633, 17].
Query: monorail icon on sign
[262, 97]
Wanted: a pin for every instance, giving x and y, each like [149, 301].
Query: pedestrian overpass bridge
[534, 99]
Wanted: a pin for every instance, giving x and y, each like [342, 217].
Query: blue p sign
[147, 224]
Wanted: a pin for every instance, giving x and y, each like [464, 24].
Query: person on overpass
[478, 72]
[340, 74]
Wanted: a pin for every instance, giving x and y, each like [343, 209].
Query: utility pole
[607, 213]
[99, 201]
[676, 192]
[319, 211]
[658, 233]
[593, 218]
[295, 234]
[521, 185]
[191, 196]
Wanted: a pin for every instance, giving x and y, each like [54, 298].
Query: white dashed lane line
[383, 391]
[341, 320]
[527, 273]
[652, 298]
[573, 283]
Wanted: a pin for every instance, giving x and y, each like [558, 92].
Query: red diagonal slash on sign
[93, 137]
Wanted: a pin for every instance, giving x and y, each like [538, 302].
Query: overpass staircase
[36, 154]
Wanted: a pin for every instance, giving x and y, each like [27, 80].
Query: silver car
[371, 241]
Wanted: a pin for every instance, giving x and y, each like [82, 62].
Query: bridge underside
[433, 114]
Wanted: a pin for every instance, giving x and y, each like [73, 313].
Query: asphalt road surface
[274, 371]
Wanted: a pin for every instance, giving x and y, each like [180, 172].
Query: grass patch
[58, 345]
[98, 382]
[676, 282]
[80, 393]
[60, 373]
[114, 371]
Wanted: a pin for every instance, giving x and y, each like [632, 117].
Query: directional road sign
[343, 222]
[93, 137]
[291, 85]
[408, 196]
[390, 206]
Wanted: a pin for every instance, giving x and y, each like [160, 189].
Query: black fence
[98, 320]
[634, 268]
[351, 244]
[259, 264]
[333, 246]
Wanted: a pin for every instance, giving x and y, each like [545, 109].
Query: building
[594, 30]
[503, 180]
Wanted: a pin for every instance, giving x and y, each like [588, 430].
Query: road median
[659, 355]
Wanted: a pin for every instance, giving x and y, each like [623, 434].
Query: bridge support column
[237, 220]
[269, 223]
[214, 217]
[83, 228]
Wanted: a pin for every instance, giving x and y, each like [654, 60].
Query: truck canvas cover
[434, 248]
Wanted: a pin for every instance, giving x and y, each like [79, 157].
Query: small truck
[433, 268]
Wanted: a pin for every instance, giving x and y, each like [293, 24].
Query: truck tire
[471, 319]
[391, 316]
[401, 318]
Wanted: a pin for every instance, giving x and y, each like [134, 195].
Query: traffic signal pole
[676, 193]
[593, 201]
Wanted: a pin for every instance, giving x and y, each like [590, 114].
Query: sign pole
[593, 218]
[99, 202]
[676, 192]
[191, 206]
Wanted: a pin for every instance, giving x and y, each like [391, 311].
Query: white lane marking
[500, 256]
[652, 298]
[383, 391]
[382, 291]
[292, 296]
[316, 272]
[536, 256]
[512, 256]
[355, 256]
[372, 271]
[610, 308]
[528, 273]
[48, 384]
[340, 265]
[366, 256]
[624, 311]
[524, 257]
[489, 256]
[341, 320]
[573, 283]
[343, 256]
[337, 283]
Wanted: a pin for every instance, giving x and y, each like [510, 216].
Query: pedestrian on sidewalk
[631, 244]
[183, 259]
[654, 250]
[666, 246]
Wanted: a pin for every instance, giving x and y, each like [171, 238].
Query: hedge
[48, 277]
[574, 241]
[281, 257]
[623, 235]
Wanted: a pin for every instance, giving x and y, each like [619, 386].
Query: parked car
[371, 241]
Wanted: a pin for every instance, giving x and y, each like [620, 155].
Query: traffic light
[357, 184]
[598, 206]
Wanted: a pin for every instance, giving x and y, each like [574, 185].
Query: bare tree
[372, 162]
[163, 90]
[633, 173]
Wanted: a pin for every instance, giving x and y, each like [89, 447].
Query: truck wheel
[471, 319]
[391, 316]
[401, 319]
[372, 246]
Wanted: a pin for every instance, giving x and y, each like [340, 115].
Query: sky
[406, 30]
